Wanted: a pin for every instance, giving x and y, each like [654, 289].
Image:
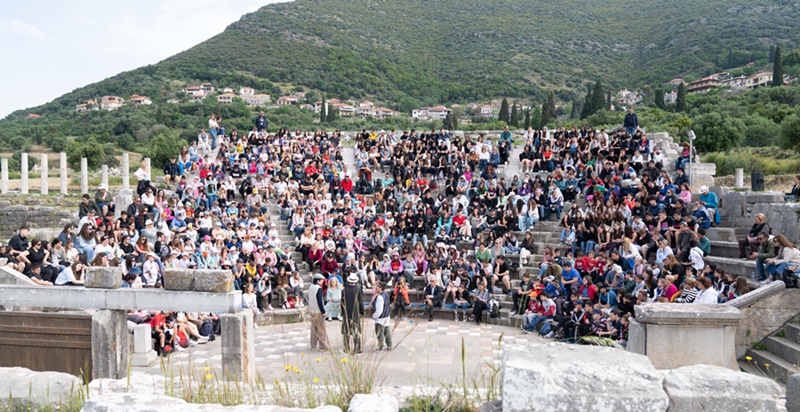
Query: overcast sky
[52, 47]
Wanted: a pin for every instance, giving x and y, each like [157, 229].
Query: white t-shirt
[66, 276]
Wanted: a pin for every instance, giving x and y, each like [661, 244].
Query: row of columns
[64, 183]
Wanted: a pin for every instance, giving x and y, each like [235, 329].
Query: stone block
[764, 197]
[721, 233]
[140, 402]
[22, 389]
[143, 353]
[220, 281]
[560, 377]
[678, 335]
[373, 403]
[179, 279]
[109, 344]
[793, 393]
[99, 277]
[712, 388]
[238, 349]
[701, 180]
[637, 337]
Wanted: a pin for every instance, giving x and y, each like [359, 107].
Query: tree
[608, 101]
[717, 132]
[447, 124]
[680, 102]
[514, 118]
[527, 123]
[504, 115]
[598, 98]
[777, 69]
[790, 133]
[574, 112]
[536, 117]
[548, 110]
[587, 104]
[454, 121]
[659, 98]
[729, 63]
[772, 53]
[332, 114]
[165, 144]
[323, 115]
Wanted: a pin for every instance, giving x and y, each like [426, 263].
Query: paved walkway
[424, 352]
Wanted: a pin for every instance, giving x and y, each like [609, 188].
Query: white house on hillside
[226, 98]
[247, 91]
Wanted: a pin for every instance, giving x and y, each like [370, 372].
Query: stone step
[779, 369]
[739, 267]
[726, 249]
[792, 332]
[785, 348]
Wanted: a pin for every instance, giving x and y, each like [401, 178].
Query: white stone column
[739, 180]
[149, 169]
[23, 184]
[3, 176]
[104, 175]
[62, 168]
[44, 178]
[84, 176]
[143, 353]
[126, 174]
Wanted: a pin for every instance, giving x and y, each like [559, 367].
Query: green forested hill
[438, 51]
[407, 53]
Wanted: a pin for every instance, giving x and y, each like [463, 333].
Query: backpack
[789, 278]
[494, 308]
[290, 303]
[207, 330]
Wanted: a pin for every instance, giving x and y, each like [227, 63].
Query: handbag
[789, 278]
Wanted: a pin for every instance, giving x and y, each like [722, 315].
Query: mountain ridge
[437, 51]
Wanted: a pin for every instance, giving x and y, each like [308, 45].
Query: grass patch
[770, 160]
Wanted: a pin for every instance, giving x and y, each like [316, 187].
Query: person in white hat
[710, 200]
[353, 310]
[316, 310]
[104, 200]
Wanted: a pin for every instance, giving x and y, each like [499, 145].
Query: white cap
[101, 186]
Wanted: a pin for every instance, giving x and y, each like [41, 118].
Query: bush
[790, 133]
[162, 147]
[111, 161]
[90, 149]
[717, 133]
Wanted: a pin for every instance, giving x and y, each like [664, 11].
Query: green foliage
[514, 118]
[323, 110]
[659, 99]
[527, 123]
[777, 69]
[598, 98]
[680, 102]
[716, 132]
[504, 114]
[769, 160]
[790, 133]
[549, 110]
[536, 117]
[88, 148]
[164, 145]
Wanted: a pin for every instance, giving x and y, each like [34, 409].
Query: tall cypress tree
[514, 118]
[447, 124]
[608, 101]
[777, 69]
[659, 97]
[680, 102]
[527, 123]
[454, 121]
[323, 111]
[772, 53]
[536, 117]
[504, 115]
[548, 109]
[587, 105]
[574, 112]
[331, 114]
[598, 98]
